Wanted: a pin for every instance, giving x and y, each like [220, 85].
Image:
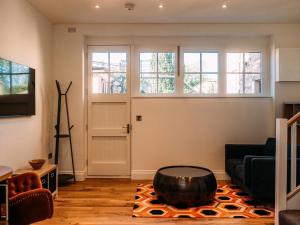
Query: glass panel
[100, 83]
[252, 83]
[148, 85]
[118, 62]
[191, 83]
[18, 68]
[148, 75]
[209, 83]
[234, 62]
[166, 83]
[148, 62]
[166, 62]
[210, 62]
[118, 83]
[235, 83]
[20, 84]
[4, 84]
[192, 62]
[100, 62]
[4, 66]
[253, 62]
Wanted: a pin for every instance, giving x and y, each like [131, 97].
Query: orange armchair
[28, 201]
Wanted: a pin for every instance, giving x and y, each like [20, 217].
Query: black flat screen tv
[17, 89]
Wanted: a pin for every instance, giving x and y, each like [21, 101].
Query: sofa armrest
[238, 151]
[263, 178]
[248, 167]
[31, 206]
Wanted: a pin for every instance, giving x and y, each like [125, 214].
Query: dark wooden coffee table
[185, 186]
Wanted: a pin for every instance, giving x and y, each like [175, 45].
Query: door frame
[130, 62]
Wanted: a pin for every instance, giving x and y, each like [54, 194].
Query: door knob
[127, 127]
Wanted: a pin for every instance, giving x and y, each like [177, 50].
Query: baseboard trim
[149, 174]
[80, 175]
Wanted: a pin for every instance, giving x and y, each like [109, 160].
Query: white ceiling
[175, 11]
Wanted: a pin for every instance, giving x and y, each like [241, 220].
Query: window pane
[253, 62]
[18, 68]
[4, 84]
[148, 62]
[20, 84]
[252, 83]
[192, 62]
[166, 62]
[4, 66]
[234, 62]
[118, 62]
[210, 62]
[209, 83]
[100, 83]
[166, 83]
[100, 62]
[148, 85]
[118, 83]
[234, 83]
[191, 83]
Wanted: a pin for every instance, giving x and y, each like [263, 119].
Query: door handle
[127, 127]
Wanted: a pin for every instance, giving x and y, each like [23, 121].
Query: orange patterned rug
[229, 202]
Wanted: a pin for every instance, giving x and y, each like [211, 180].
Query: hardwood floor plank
[110, 202]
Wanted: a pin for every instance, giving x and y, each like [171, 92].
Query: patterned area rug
[229, 202]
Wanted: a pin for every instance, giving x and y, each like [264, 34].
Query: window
[157, 73]
[244, 73]
[201, 73]
[14, 78]
[109, 72]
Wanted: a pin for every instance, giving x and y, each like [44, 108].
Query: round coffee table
[185, 186]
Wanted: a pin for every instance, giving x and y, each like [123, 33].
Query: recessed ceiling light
[97, 6]
[224, 6]
[160, 6]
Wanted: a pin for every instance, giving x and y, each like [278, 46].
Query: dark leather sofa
[289, 217]
[252, 167]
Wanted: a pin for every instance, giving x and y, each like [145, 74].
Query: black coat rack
[63, 178]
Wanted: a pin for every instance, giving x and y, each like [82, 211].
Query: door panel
[108, 111]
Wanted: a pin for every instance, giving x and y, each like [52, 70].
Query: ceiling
[174, 11]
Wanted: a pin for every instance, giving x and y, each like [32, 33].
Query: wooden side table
[5, 172]
[48, 174]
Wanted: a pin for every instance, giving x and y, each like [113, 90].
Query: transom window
[244, 73]
[201, 73]
[109, 72]
[157, 73]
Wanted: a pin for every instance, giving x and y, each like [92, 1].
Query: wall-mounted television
[17, 89]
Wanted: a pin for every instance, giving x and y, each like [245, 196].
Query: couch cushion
[289, 217]
[270, 147]
[232, 163]
[239, 172]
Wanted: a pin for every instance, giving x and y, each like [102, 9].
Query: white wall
[208, 124]
[26, 38]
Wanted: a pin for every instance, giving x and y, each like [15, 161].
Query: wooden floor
[110, 202]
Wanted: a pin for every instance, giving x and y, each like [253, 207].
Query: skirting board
[149, 174]
[80, 175]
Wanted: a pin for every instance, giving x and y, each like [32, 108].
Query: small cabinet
[48, 175]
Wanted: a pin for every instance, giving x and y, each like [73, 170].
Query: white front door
[109, 111]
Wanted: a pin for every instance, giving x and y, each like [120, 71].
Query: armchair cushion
[28, 201]
[270, 147]
[30, 207]
[22, 183]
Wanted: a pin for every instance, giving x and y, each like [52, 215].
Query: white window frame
[192, 49]
[110, 49]
[265, 75]
[136, 81]
[222, 73]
